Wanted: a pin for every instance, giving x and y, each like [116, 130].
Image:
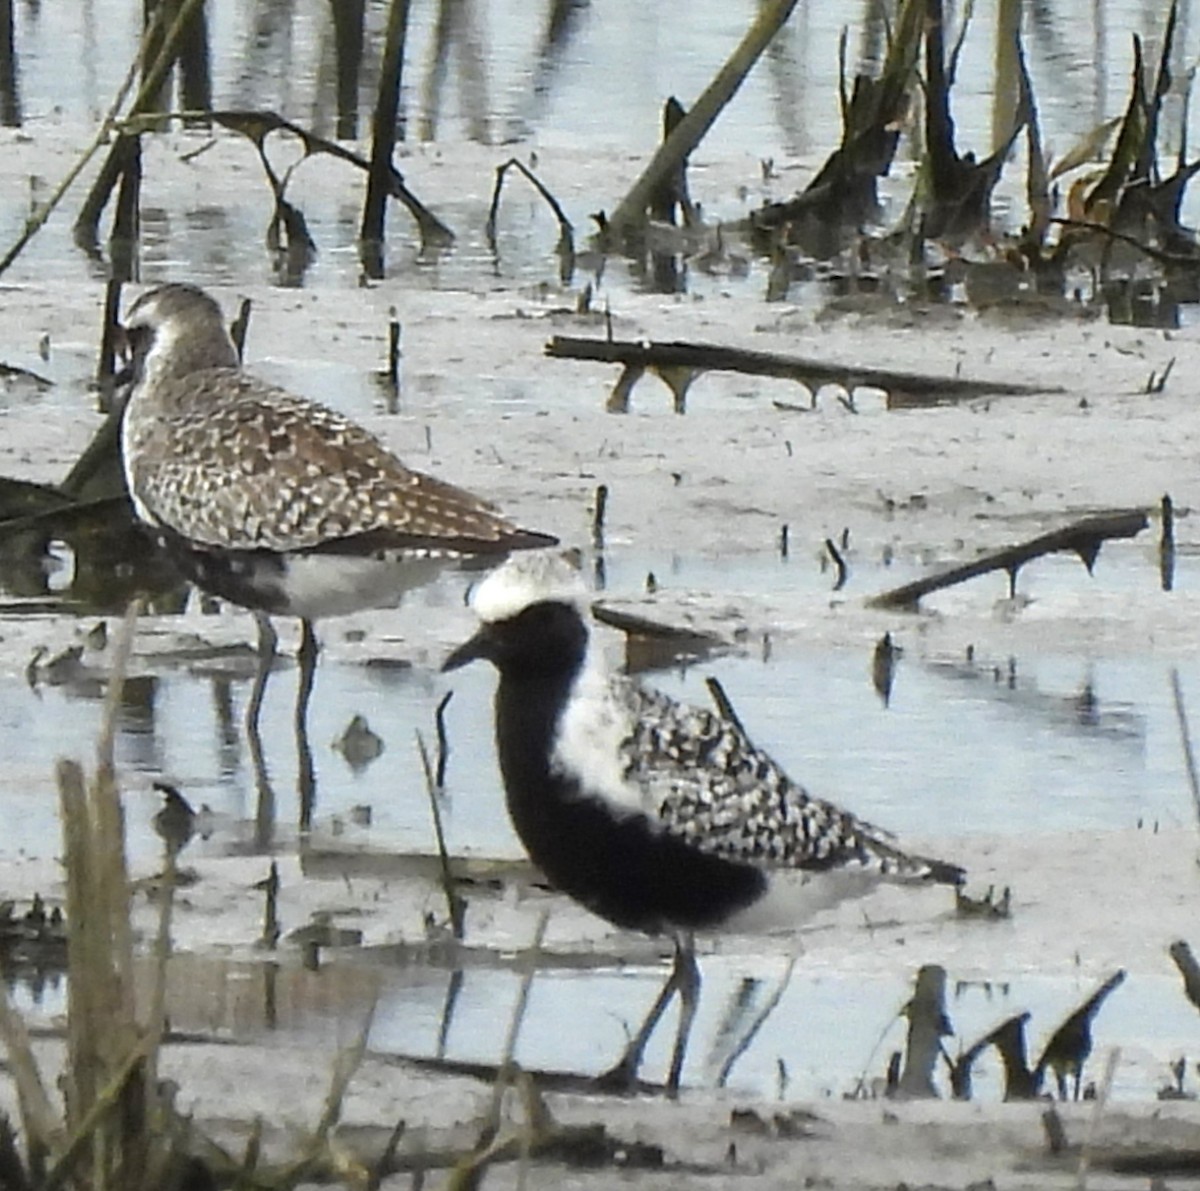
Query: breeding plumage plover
[655, 815]
[275, 502]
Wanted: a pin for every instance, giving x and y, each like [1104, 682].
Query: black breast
[618, 864]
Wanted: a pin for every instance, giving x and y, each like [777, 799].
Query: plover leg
[268, 640]
[685, 980]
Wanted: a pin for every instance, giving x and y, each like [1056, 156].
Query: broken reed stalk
[38, 218]
[152, 79]
[383, 128]
[1185, 739]
[566, 231]
[112, 1093]
[1166, 545]
[927, 1024]
[598, 512]
[106, 367]
[532, 955]
[393, 361]
[239, 327]
[123, 240]
[456, 904]
[271, 926]
[39, 1121]
[630, 214]
[724, 705]
[317, 1155]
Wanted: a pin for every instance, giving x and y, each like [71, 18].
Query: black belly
[618, 864]
[624, 868]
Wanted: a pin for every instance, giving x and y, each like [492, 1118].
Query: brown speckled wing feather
[299, 477]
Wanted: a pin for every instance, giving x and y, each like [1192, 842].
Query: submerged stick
[1185, 738]
[1083, 537]
[456, 904]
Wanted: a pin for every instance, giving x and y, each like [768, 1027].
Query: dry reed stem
[39, 1120]
[631, 211]
[455, 902]
[37, 220]
[1102, 1095]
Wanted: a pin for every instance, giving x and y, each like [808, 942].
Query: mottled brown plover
[272, 501]
[656, 816]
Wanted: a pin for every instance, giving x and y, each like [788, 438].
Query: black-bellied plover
[275, 502]
[655, 815]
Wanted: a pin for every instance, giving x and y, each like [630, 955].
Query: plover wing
[256, 467]
[706, 782]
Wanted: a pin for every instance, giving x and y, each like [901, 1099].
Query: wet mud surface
[1033, 737]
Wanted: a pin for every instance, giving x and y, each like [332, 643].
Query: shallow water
[1036, 743]
[986, 745]
[500, 80]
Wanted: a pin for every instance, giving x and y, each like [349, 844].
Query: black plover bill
[655, 815]
[272, 501]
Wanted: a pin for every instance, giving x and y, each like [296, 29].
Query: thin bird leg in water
[267, 641]
[623, 1076]
[306, 774]
[307, 658]
[688, 974]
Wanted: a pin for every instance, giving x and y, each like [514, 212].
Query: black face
[545, 640]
